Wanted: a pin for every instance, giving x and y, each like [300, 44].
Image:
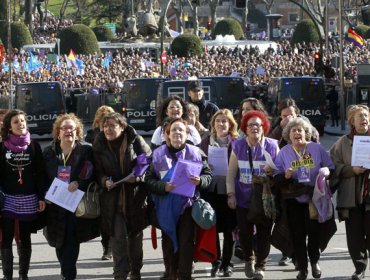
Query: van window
[309, 94]
[42, 102]
[139, 103]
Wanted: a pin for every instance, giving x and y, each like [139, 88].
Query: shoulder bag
[89, 206]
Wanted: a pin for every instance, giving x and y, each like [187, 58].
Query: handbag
[203, 214]
[206, 245]
[89, 206]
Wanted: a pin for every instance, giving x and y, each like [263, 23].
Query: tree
[177, 6]
[80, 38]
[103, 33]
[3, 19]
[228, 27]
[213, 6]
[186, 45]
[306, 32]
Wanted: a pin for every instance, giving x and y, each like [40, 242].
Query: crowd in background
[255, 66]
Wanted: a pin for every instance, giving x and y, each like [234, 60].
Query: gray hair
[295, 122]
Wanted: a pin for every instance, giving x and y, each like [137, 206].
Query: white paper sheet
[218, 160]
[58, 194]
[361, 151]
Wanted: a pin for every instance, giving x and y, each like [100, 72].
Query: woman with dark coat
[123, 206]
[90, 137]
[21, 181]
[72, 161]
[223, 132]
[177, 223]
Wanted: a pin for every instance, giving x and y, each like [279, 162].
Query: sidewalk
[336, 130]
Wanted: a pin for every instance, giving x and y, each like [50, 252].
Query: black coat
[109, 165]
[81, 158]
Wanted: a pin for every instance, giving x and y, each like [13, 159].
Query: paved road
[335, 262]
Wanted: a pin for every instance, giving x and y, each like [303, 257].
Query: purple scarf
[17, 143]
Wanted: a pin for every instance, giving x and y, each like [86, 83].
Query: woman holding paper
[118, 151]
[217, 146]
[353, 201]
[177, 223]
[251, 159]
[21, 181]
[70, 160]
[298, 165]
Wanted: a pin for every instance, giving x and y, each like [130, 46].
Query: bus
[139, 103]
[42, 102]
[308, 93]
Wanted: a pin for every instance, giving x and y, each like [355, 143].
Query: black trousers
[7, 227]
[302, 227]
[358, 237]
[246, 232]
[180, 263]
[68, 254]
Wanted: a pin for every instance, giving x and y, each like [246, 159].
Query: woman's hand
[231, 200]
[169, 187]
[195, 180]
[73, 186]
[41, 207]
[269, 170]
[358, 170]
[288, 173]
[109, 183]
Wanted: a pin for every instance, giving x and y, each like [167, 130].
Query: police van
[308, 93]
[139, 103]
[42, 102]
[224, 91]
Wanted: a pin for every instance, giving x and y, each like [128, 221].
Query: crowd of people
[247, 62]
[258, 174]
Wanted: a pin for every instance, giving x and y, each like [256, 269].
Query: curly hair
[61, 118]
[100, 112]
[351, 112]
[256, 114]
[233, 130]
[7, 121]
[162, 110]
[295, 122]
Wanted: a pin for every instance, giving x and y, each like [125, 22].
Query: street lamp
[9, 38]
[163, 17]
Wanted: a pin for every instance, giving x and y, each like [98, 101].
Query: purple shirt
[315, 157]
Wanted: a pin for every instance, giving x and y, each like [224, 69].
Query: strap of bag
[250, 159]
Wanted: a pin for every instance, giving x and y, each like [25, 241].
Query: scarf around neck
[17, 143]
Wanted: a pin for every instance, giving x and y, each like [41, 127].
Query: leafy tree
[305, 32]
[229, 27]
[103, 33]
[3, 18]
[186, 45]
[20, 35]
[80, 38]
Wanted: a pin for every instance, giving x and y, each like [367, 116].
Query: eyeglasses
[68, 128]
[252, 125]
[110, 126]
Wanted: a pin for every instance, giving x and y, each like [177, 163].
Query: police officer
[206, 108]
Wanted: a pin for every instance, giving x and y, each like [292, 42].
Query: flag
[353, 37]
[107, 60]
[16, 64]
[72, 58]
[2, 52]
[33, 63]
[80, 67]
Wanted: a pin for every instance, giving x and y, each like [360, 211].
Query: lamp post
[341, 68]
[9, 38]
[162, 33]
